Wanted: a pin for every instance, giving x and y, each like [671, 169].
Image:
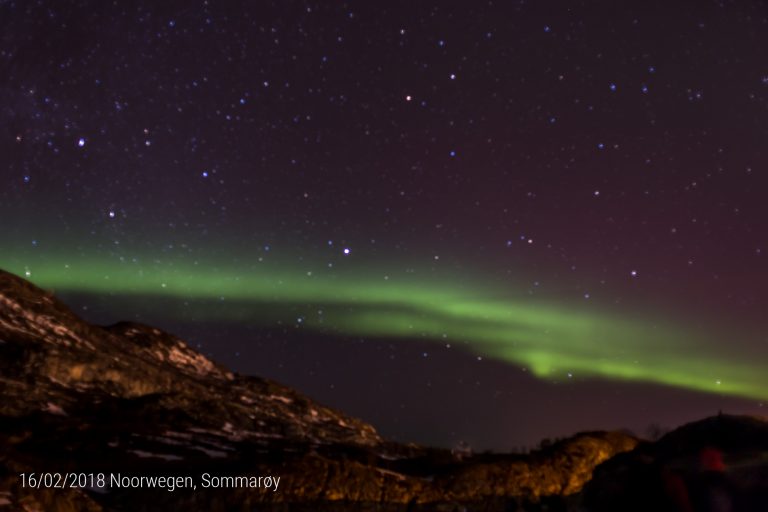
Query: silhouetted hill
[716, 464]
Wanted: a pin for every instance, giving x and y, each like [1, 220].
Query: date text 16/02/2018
[54, 480]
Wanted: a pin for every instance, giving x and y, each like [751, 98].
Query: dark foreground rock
[81, 401]
[719, 464]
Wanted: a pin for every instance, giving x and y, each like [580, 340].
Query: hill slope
[134, 400]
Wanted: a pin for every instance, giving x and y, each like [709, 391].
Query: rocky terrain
[719, 464]
[79, 399]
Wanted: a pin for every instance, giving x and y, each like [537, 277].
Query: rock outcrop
[716, 464]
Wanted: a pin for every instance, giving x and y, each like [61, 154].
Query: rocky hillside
[132, 400]
[719, 464]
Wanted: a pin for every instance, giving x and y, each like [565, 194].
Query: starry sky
[489, 222]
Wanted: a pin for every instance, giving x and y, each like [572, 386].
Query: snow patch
[40, 326]
[54, 409]
[192, 360]
[150, 455]
[399, 476]
[214, 454]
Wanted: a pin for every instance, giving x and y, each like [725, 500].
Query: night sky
[489, 222]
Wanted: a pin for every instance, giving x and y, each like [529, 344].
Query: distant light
[80, 142]
[596, 193]
[205, 174]
[408, 98]
[346, 250]
[633, 273]
[111, 214]
[452, 153]
[27, 179]
[547, 28]
[600, 146]
[651, 69]
[453, 76]
[612, 87]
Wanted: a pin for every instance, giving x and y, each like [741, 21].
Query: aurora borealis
[484, 222]
[550, 340]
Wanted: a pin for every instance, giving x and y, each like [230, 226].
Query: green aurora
[552, 341]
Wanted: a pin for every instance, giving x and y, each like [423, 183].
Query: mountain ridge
[132, 398]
